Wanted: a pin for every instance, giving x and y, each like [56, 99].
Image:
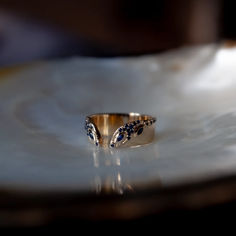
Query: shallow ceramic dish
[45, 154]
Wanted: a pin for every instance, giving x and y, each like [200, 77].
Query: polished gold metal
[120, 130]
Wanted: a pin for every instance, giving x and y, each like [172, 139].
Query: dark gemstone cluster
[88, 127]
[135, 127]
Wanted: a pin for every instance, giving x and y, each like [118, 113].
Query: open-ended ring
[120, 130]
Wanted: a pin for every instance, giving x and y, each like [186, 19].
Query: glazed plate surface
[191, 91]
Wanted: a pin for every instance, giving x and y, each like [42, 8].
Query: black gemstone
[130, 131]
[140, 130]
[131, 126]
[120, 137]
[91, 135]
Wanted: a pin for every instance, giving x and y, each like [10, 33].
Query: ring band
[117, 129]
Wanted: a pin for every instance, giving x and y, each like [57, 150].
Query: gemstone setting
[91, 136]
[92, 132]
[140, 130]
[120, 137]
[130, 130]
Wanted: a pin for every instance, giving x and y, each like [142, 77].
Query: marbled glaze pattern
[192, 92]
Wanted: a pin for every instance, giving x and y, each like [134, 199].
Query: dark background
[33, 30]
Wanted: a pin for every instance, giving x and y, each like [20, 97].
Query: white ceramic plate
[191, 91]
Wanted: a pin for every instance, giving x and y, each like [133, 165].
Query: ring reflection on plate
[113, 182]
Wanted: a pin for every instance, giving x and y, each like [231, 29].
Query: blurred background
[35, 30]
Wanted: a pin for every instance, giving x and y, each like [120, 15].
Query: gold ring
[117, 129]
